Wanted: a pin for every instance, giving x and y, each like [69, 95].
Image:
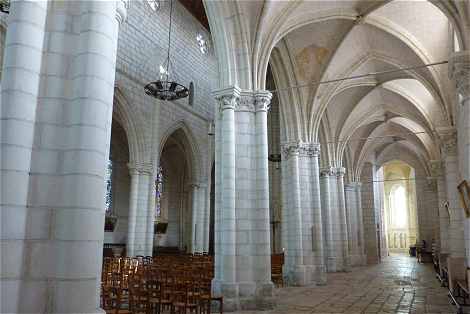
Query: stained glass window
[202, 43]
[158, 192]
[109, 184]
[154, 4]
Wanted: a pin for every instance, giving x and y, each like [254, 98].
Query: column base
[320, 278]
[299, 275]
[245, 295]
[335, 264]
[358, 259]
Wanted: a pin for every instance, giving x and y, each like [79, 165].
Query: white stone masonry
[242, 235]
[301, 215]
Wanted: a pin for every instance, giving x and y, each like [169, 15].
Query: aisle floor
[398, 285]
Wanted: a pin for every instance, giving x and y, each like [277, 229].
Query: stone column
[203, 220]
[360, 222]
[242, 257]
[459, 72]
[317, 233]
[261, 249]
[21, 287]
[292, 216]
[302, 217]
[437, 172]
[224, 282]
[65, 184]
[326, 217]
[78, 224]
[353, 223]
[334, 221]
[151, 213]
[340, 171]
[134, 174]
[197, 224]
[369, 210]
[456, 225]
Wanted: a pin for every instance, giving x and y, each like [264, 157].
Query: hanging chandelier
[167, 87]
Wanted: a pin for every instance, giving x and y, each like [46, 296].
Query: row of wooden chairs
[178, 284]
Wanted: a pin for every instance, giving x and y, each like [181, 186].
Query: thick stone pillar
[335, 219]
[242, 249]
[261, 226]
[21, 286]
[360, 223]
[370, 212]
[437, 171]
[151, 213]
[132, 219]
[301, 216]
[456, 225]
[325, 214]
[459, 72]
[141, 210]
[198, 217]
[58, 266]
[353, 224]
[340, 171]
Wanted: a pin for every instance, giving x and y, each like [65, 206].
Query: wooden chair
[185, 298]
[154, 294]
[138, 298]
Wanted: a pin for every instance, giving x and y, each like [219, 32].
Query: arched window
[109, 187]
[398, 205]
[158, 192]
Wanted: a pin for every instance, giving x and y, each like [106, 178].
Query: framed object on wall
[464, 191]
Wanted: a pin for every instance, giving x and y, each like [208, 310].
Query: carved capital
[436, 167]
[459, 72]
[309, 149]
[227, 98]
[289, 149]
[263, 101]
[327, 172]
[300, 149]
[246, 103]
[448, 141]
[121, 10]
[339, 171]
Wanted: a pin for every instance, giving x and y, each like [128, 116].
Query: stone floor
[398, 285]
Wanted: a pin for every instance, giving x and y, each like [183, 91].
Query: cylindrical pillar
[317, 219]
[150, 215]
[292, 214]
[194, 220]
[134, 174]
[19, 101]
[261, 222]
[78, 249]
[225, 263]
[343, 217]
[360, 220]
